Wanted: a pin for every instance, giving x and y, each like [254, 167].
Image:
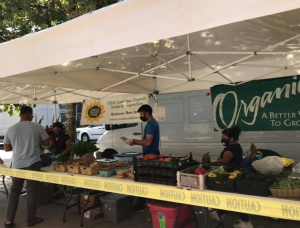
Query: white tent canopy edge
[126, 24]
[102, 75]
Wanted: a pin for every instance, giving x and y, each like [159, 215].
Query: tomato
[161, 156]
[200, 171]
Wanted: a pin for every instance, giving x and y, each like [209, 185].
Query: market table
[263, 206]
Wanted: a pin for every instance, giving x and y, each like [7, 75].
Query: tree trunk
[71, 121]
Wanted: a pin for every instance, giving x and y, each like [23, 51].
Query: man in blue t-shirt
[150, 144]
[150, 141]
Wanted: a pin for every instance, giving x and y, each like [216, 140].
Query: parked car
[90, 133]
[189, 127]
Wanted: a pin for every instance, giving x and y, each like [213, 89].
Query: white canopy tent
[152, 45]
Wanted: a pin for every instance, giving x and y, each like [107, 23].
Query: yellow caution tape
[264, 206]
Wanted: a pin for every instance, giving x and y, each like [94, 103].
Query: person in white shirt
[24, 139]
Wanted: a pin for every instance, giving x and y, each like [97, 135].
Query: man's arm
[7, 147]
[7, 144]
[145, 142]
[45, 142]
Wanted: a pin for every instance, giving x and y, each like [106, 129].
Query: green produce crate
[107, 173]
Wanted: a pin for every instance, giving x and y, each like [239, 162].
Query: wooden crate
[286, 193]
[90, 170]
[73, 169]
[61, 168]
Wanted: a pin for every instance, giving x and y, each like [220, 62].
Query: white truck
[47, 112]
[189, 127]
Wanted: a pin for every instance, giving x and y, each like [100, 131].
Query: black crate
[139, 171]
[163, 172]
[151, 171]
[254, 188]
[139, 178]
[221, 184]
[145, 170]
[157, 172]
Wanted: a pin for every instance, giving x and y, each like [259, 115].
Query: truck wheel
[109, 154]
[85, 137]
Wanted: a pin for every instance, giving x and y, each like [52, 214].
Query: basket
[89, 170]
[107, 173]
[74, 169]
[286, 193]
[61, 168]
[191, 181]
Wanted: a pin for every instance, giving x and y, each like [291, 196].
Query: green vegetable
[81, 148]
[206, 166]
[63, 157]
[250, 176]
[286, 184]
[260, 178]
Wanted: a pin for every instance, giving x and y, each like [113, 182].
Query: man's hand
[129, 142]
[1, 161]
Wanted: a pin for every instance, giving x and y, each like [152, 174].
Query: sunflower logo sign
[94, 111]
[113, 110]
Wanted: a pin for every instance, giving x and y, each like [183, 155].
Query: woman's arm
[226, 157]
[68, 144]
[50, 148]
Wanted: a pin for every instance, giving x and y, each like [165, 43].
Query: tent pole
[55, 102]
[166, 62]
[141, 74]
[48, 93]
[34, 91]
[119, 83]
[243, 53]
[12, 94]
[275, 71]
[248, 57]
[189, 55]
[222, 75]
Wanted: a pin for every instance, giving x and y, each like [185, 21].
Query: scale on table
[295, 176]
[107, 161]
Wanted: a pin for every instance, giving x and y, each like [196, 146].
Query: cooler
[127, 156]
[164, 214]
[117, 207]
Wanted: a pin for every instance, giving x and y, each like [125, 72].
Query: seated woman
[233, 155]
[61, 142]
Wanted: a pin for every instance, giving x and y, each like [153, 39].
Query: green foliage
[62, 158]
[13, 109]
[21, 17]
[81, 148]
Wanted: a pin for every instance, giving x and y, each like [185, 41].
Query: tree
[21, 17]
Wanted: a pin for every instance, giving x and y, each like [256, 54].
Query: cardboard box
[90, 204]
[94, 196]
[94, 214]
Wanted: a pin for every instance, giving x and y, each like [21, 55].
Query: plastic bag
[271, 165]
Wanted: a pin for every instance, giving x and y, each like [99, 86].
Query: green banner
[263, 105]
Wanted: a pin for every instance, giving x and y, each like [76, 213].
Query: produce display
[221, 173]
[154, 157]
[252, 175]
[160, 169]
[286, 184]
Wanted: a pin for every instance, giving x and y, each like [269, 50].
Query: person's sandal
[8, 225]
[37, 221]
